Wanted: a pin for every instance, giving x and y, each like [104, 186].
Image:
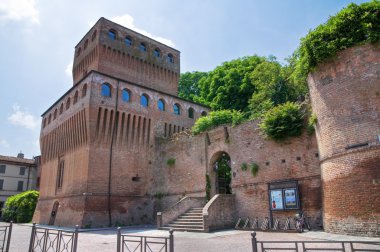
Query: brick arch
[213, 171]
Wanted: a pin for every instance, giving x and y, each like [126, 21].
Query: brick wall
[345, 96]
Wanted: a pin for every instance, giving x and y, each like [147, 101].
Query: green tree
[20, 207]
[216, 118]
[283, 121]
[188, 85]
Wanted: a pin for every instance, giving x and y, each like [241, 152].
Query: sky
[38, 38]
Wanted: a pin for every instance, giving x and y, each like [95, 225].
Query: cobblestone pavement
[222, 241]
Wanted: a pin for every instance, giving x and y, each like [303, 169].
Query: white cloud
[23, 118]
[69, 69]
[18, 10]
[127, 21]
[4, 143]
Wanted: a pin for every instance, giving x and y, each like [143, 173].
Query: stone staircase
[192, 221]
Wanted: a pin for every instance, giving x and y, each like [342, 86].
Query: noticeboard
[284, 195]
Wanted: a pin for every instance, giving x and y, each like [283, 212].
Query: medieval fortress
[107, 142]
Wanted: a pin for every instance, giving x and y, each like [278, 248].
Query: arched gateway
[221, 172]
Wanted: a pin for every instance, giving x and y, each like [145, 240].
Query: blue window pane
[144, 101]
[112, 35]
[191, 113]
[142, 47]
[161, 105]
[170, 58]
[157, 53]
[128, 41]
[176, 109]
[106, 90]
[125, 95]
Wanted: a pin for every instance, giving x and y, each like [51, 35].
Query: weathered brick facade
[345, 95]
[104, 157]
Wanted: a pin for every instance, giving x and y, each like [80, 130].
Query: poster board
[283, 195]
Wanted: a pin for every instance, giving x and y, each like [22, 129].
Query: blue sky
[38, 38]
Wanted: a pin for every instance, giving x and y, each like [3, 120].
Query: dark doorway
[222, 167]
[53, 213]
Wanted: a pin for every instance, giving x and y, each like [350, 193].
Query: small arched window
[204, 113]
[191, 113]
[161, 105]
[75, 97]
[128, 41]
[84, 90]
[157, 53]
[55, 114]
[79, 51]
[106, 90]
[126, 95]
[61, 109]
[170, 58]
[49, 120]
[177, 109]
[68, 103]
[112, 34]
[85, 44]
[144, 100]
[142, 47]
[44, 123]
[93, 36]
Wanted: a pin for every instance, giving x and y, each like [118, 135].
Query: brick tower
[345, 95]
[97, 139]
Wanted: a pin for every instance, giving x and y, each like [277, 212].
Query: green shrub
[208, 187]
[283, 121]
[353, 25]
[312, 121]
[244, 166]
[216, 118]
[254, 169]
[170, 161]
[20, 207]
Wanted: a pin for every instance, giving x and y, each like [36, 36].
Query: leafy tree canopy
[20, 207]
[188, 84]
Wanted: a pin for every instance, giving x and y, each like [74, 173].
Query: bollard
[31, 244]
[254, 242]
[9, 236]
[171, 239]
[75, 244]
[118, 239]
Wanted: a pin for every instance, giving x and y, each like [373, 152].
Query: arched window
[126, 95]
[177, 109]
[191, 113]
[128, 41]
[93, 36]
[61, 109]
[112, 34]
[157, 53]
[106, 90]
[170, 58]
[79, 51]
[68, 103]
[142, 47]
[49, 120]
[85, 44]
[144, 100]
[161, 105]
[55, 114]
[44, 123]
[204, 113]
[84, 90]
[75, 97]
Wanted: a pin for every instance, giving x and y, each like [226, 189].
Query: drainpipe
[110, 156]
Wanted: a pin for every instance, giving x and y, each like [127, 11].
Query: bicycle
[301, 222]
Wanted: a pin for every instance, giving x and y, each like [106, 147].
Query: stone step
[179, 222]
[192, 214]
[189, 220]
[183, 229]
[185, 226]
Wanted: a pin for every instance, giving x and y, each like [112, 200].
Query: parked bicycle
[301, 222]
